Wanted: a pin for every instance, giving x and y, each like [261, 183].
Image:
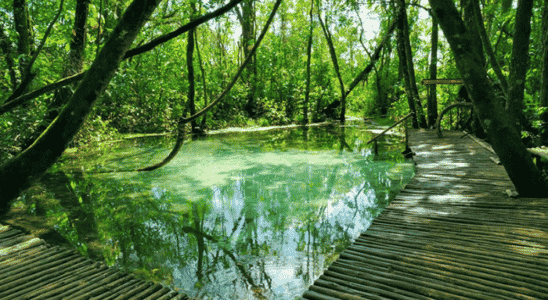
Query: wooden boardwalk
[452, 233]
[31, 269]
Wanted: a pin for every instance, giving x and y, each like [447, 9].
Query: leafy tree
[503, 136]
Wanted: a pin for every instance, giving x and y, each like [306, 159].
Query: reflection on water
[255, 215]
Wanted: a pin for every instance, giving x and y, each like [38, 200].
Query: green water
[253, 215]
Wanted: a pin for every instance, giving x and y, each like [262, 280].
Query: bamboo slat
[32, 269]
[451, 233]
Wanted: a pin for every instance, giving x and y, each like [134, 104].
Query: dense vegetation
[308, 59]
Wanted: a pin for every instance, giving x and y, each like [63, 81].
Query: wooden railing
[386, 130]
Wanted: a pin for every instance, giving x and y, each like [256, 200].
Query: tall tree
[6, 47]
[470, 20]
[411, 67]
[22, 22]
[308, 59]
[335, 61]
[489, 49]
[21, 172]
[74, 65]
[404, 64]
[544, 82]
[190, 68]
[247, 20]
[432, 95]
[519, 63]
[503, 136]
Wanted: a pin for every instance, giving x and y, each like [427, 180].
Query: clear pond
[236, 215]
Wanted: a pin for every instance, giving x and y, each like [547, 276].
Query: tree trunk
[190, 68]
[432, 95]
[487, 44]
[21, 172]
[503, 136]
[21, 19]
[5, 45]
[248, 39]
[544, 83]
[74, 66]
[308, 58]
[204, 84]
[403, 61]
[410, 66]
[333, 55]
[472, 25]
[519, 64]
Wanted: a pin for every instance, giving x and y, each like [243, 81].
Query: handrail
[397, 123]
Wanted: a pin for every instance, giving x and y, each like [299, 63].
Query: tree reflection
[268, 227]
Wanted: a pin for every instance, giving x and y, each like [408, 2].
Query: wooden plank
[442, 81]
[30, 268]
[451, 233]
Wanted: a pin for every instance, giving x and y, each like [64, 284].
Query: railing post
[406, 134]
[376, 148]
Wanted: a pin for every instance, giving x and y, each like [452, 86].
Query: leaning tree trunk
[21, 172]
[503, 136]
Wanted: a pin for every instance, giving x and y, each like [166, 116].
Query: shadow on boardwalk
[452, 233]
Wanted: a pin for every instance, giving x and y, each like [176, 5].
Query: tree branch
[136, 51]
[29, 76]
[183, 121]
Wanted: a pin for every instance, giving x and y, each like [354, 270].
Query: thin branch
[191, 25]
[183, 121]
[27, 72]
[147, 47]
[374, 58]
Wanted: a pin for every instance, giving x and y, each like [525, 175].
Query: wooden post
[406, 134]
[376, 148]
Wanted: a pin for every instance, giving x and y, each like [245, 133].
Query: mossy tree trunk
[21, 172]
[21, 19]
[519, 63]
[5, 45]
[544, 84]
[504, 138]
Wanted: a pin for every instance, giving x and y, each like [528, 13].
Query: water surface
[253, 215]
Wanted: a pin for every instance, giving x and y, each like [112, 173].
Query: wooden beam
[442, 81]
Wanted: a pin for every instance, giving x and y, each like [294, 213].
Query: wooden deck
[452, 233]
[31, 269]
